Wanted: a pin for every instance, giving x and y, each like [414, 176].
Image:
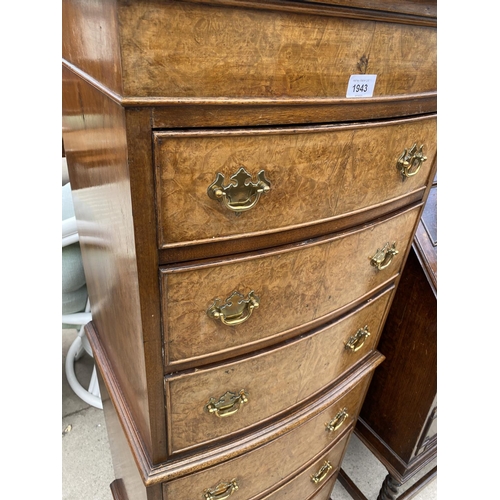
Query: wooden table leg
[118, 490]
[350, 487]
[419, 485]
[389, 488]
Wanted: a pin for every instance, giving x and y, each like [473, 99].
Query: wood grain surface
[284, 111]
[289, 453]
[139, 159]
[316, 174]
[426, 8]
[158, 97]
[129, 482]
[180, 49]
[302, 487]
[275, 381]
[122, 425]
[403, 392]
[296, 286]
[419, 12]
[91, 40]
[96, 151]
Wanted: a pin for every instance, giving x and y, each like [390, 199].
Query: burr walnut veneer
[243, 226]
[405, 388]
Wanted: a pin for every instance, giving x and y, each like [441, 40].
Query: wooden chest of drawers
[399, 418]
[243, 225]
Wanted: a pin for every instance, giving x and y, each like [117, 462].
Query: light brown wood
[286, 110]
[324, 492]
[395, 11]
[158, 98]
[275, 381]
[122, 426]
[128, 484]
[301, 487]
[316, 174]
[419, 7]
[397, 14]
[288, 453]
[222, 248]
[91, 40]
[399, 418]
[297, 286]
[98, 170]
[139, 161]
[192, 50]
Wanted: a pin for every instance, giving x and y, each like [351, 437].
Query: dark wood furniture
[398, 420]
[243, 224]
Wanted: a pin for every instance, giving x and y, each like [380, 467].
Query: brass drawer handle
[356, 341]
[235, 310]
[383, 257]
[337, 421]
[228, 404]
[322, 473]
[221, 491]
[242, 194]
[410, 161]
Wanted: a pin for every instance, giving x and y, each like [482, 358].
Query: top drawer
[190, 50]
[314, 174]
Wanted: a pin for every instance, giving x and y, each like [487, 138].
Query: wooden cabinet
[243, 227]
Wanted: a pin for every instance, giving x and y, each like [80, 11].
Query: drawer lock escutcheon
[235, 310]
[221, 491]
[337, 422]
[383, 256]
[228, 404]
[356, 341]
[322, 473]
[410, 161]
[242, 194]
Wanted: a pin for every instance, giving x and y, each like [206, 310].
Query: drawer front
[313, 174]
[181, 49]
[208, 404]
[269, 466]
[316, 481]
[298, 286]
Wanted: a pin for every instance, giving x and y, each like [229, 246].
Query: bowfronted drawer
[297, 446]
[215, 310]
[189, 50]
[316, 481]
[225, 185]
[223, 401]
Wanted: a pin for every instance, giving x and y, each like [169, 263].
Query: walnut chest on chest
[247, 178]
